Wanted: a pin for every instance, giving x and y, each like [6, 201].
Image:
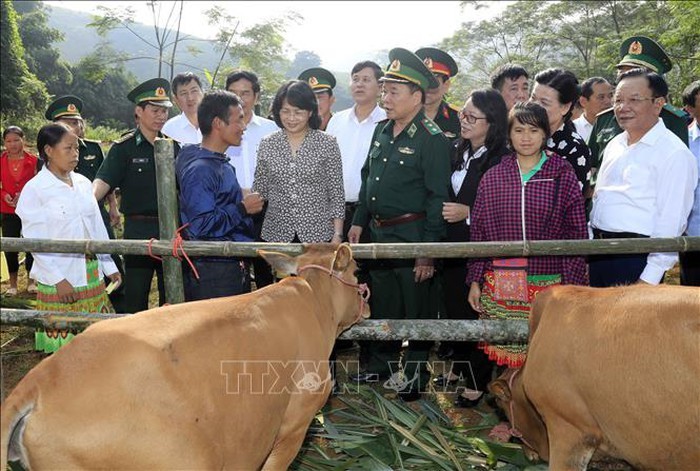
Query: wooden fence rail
[385, 329]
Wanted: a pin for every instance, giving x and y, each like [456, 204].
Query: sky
[356, 28]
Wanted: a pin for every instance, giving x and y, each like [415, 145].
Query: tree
[21, 93]
[303, 60]
[160, 42]
[43, 59]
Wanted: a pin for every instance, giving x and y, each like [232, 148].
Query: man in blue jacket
[211, 200]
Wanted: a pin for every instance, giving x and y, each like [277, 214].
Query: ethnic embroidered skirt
[511, 355]
[91, 298]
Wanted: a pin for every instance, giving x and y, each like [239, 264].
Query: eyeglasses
[297, 114]
[469, 118]
[632, 101]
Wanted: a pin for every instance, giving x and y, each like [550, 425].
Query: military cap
[640, 51]
[67, 106]
[406, 67]
[154, 91]
[320, 79]
[437, 61]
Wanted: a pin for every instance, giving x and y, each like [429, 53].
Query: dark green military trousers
[140, 268]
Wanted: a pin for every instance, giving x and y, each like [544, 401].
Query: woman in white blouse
[300, 172]
[59, 204]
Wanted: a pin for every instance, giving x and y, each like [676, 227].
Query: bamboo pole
[370, 329]
[364, 251]
[168, 217]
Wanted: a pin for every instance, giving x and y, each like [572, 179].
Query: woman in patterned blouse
[556, 90]
[531, 195]
[300, 172]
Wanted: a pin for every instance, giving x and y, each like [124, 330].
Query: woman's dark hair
[12, 130]
[533, 114]
[50, 135]
[300, 94]
[493, 106]
[565, 83]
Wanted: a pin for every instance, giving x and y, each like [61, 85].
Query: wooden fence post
[168, 217]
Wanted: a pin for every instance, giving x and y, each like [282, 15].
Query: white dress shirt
[694, 144]
[354, 138]
[244, 158]
[583, 127]
[51, 209]
[180, 129]
[646, 188]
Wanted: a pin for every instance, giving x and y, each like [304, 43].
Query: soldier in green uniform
[444, 67]
[636, 52]
[404, 185]
[322, 82]
[130, 165]
[67, 110]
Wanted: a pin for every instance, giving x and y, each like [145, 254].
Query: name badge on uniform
[407, 150]
[140, 160]
[90, 157]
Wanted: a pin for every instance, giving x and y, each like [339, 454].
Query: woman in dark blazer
[482, 143]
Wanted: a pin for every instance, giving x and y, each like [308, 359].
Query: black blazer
[459, 231]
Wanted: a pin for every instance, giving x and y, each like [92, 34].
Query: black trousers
[690, 268]
[263, 272]
[217, 279]
[468, 361]
[12, 227]
[617, 269]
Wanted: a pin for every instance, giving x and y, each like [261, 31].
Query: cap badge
[160, 91]
[428, 63]
[71, 107]
[635, 48]
[395, 66]
[313, 81]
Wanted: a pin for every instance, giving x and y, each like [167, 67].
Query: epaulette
[92, 141]
[430, 125]
[609, 110]
[125, 137]
[673, 110]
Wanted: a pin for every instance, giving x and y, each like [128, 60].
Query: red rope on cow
[362, 288]
[177, 246]
[513, 430]
[150, 250]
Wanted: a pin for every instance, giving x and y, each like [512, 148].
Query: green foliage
[303, 60]
[104, 133]
[21, 93]
[43, 59]
[583, 36]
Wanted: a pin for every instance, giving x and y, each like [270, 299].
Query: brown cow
[228, 383]
[614, 371]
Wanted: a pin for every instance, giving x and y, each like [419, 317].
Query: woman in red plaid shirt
[528, 196]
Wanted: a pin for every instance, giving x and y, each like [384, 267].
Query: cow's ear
[282, 264]
[500, 389]
[342, 258]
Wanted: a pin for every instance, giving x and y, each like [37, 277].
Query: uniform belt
[403, 219]
[141, 217]
[600, 234]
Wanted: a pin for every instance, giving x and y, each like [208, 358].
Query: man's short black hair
[246, 75]
[587, 86]
[690, 93]
[183, 79]
[507, 71]
[378, 72]
[215, 104]
[656, 82]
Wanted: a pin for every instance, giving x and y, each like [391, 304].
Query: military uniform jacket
[406, 174]
[447, 119]
[130, 165]
[90, 158]
[606, 127]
